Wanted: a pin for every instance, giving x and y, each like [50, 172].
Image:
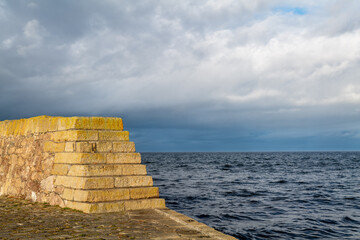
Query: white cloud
[234, 58]
[33, 37]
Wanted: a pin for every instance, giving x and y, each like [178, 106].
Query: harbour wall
[84, 163]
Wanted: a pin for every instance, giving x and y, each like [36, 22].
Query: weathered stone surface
[133, 181]
[90, 123]
[60, 169]
[144, 204]
[96, 207]
[47, 184]
[114, 136]
[104, 146]
[69, 146]
[73, 135]
[123, 158]
[107, 170]
[80, 158]
[144, 192]
[123, 147]
[50, 146]
[84, 147]
[20, 219]
[85, 182]
[103, 195]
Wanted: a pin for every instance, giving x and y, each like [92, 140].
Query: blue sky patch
[296, 10]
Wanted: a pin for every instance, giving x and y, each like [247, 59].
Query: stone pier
[83, 163]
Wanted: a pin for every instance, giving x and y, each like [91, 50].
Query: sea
[264, 195]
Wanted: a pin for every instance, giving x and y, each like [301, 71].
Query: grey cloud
[183, 64]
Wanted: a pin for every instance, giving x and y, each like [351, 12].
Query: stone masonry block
[60, 169]
[50, 146]
[66, 181]
[103, 195]
[144, 204]
[84, 207]
[84, 147]
[43, 125]
[18, 126]
[97, 207]
[113, 135]
[123, 158]
[10, 128]
[70, 147]
[2, 128]
[145, 192]
[80, 158]
[133, 181]
[75, 135]
[97, 123]
[85, 182]
[100, 123]
[123, 147]
[104, 146]
[107, 170]
[113, 124]
[68, 194]
[66, 123]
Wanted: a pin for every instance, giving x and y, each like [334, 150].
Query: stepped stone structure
[84, 163]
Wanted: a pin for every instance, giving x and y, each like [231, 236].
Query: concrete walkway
[21, 219]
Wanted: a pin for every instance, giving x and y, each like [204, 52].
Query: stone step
[103, 182]
[105, 170]
[90, 135]
[94, 158]
[117, 206]
[109, 195]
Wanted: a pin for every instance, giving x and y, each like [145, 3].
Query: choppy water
[264, 195]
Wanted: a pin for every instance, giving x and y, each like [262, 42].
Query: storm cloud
[190, 75]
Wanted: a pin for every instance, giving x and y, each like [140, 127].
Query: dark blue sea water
[305, 195]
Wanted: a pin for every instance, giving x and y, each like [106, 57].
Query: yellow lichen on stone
[82, 123]
[113, 124]
[2, 127]
[97, 123]
[104, 146]
[50, 146]
[17, 127]
[42, 124]
[10, 128]
[113, 135]
[84, 147]
[74, 135]
[66, 123]
[123, 147]
[80, 158]
[53, 124]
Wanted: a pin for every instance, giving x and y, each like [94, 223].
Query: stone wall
[85, 163]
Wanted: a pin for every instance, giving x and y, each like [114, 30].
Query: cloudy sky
[200, 75]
